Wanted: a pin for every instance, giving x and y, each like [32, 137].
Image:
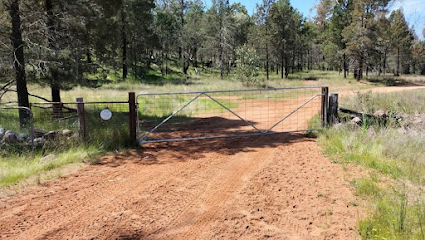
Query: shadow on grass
[392, 81]
[151, 77]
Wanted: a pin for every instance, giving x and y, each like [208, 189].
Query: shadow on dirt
[172, 152]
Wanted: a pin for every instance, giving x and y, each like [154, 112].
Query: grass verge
[397, 206]
[397, 155]
[14, 169]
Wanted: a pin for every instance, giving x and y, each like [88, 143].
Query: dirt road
[269, 187]
[277, 187]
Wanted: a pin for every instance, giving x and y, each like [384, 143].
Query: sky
[414, 10]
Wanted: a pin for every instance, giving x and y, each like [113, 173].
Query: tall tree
[383, 43]
[220, 28]
[166, 28]
[17, 57]
[334, 44]
[401, 37]
[193, 33]
[263, 30]
[286, 22]
[359, 34]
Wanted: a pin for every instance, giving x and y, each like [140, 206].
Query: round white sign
[106, 114]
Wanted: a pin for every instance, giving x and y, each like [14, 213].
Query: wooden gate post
[325, 106]
[132, 116]
[81, 118]
[333, 108]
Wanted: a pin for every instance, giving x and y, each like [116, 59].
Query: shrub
[248, 67]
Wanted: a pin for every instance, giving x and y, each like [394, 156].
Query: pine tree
[401, 37]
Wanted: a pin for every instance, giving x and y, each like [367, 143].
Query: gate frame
[324, 113]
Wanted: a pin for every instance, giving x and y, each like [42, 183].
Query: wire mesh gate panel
[167, 117]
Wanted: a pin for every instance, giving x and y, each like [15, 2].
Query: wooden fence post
[333, 108]
[81, 118]
[325, 106]
[132, 116]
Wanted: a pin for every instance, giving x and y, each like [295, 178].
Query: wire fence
[16, 129]
[168, 117]
[82, 121]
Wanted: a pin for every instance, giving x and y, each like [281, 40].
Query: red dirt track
[277, 187]
[251, 188]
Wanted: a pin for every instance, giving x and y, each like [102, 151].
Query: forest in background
[65, 43]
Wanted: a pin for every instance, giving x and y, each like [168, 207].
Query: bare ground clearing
[278, 187]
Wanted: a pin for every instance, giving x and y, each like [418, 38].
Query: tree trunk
[166, 63]
[220, 49]
[385, 63]
[414, 67]
[124, 44]
[286, 67]
[54, 78]
[281, 67]
[162, 62]
[345, 65]
[195, 57]
[56, 97]
[19, 62]
[293, 61]
[88, 54]
[267, 61]
[181, 48]
[360, 70]
[308, 59]
[398, 61]
[302, 61]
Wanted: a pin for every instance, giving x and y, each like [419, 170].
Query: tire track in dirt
[99, 199]
[291, 198]
[192, 221]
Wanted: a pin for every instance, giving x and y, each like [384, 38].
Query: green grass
[410, 102]
[161, 106]
[14, 169]
[315, 122]
[397, 205]
[366, 187]
[396, 159]
[394, 217]
[391, 218]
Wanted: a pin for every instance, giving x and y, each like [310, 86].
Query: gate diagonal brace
[228, 109]
[290, 114]
[169, 117]
[268, 131]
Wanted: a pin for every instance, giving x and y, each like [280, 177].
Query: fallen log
[358, 114]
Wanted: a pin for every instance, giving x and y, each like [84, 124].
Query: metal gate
[169, 117]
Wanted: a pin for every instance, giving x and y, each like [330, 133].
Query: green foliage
[248, 67]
